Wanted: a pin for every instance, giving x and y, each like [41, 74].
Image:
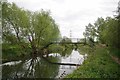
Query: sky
[72, 15]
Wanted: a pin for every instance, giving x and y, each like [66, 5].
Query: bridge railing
[73, 40]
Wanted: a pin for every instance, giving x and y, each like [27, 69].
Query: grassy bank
[13, 52]
[98, 65]
[114, 52]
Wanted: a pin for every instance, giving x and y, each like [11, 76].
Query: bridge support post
[76, 46]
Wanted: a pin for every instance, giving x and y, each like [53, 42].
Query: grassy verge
[98, 65]
[13, 53]
[114, 52]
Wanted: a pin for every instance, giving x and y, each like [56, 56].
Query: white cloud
[72, 14]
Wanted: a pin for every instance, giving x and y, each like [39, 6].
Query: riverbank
[15, 52]
[98, 65]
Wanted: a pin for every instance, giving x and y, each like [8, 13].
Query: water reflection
[74, 58]
[37, 67]
[33, 68]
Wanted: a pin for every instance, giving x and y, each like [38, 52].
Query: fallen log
[71, 64]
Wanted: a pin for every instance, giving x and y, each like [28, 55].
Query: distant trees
[66, 39]
[22, 26]
[89, 33]
[105, 31]
[118, 10]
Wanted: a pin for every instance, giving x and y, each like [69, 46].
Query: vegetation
[25, 32]
[104, 31]
[98, 65]
[40, 66]
[27, 29]
[103, 50]
[55, 48]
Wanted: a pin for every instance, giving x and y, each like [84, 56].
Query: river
[40, 68]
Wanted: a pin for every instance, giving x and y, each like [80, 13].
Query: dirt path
[116, 59]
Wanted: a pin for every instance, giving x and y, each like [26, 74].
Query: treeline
[27, 29]
[105, 31]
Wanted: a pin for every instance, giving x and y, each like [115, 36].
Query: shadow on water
[37, 67]
[32, 68]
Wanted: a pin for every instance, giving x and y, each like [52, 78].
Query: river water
[39, 68]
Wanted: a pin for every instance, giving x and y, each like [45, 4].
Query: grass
[98, 65]
[12, 52]
[114, 52]
[15, 52]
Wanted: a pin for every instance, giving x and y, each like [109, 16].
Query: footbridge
[73, 41]
[68, 41]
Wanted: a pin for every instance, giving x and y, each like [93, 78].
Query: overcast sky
[72, 15]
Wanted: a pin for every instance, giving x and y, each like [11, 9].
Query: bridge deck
[67, 42]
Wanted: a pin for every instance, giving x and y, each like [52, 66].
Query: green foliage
[114, 51]
[89, 33]
[111, 33]
[65, 39]
[63, 50]
[20, 26]
[66, 52]
[118, 11]
[105, 30]
[99, 27]
[12, 52]
[56, 48]
[98, 65]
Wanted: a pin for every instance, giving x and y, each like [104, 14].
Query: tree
[89, 32]
[118, 10]
[85, 35]
[111, 33]
[99, 27]
[106, 30]
[21, 26]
